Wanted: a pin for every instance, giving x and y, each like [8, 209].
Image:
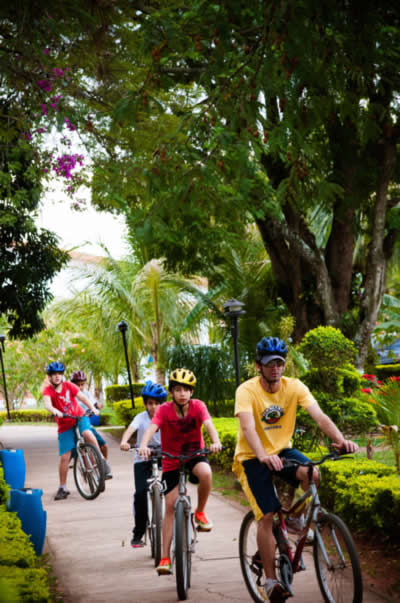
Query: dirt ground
[380, 563]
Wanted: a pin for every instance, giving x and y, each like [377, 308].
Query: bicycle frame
[185, 498]
[152, 480]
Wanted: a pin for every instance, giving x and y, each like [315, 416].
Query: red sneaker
[202, 521]
[164, 567]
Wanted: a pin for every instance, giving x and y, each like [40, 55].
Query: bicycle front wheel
[250, 560]
[89, 471]
[182, 550]
[336, 561]
[155, 526]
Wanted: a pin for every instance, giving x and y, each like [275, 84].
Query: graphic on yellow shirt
[272, 414]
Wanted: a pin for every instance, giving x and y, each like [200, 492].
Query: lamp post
[123, 327]
[2, 350]
[232, 310]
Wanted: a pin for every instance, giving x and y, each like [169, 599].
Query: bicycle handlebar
[88, 413]
[331, 456]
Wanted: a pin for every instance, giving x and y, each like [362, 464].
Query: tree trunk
[377, 260]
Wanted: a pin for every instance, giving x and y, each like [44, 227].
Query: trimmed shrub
[124, 411]
[116, 393]
[384, 371]
[4, 487]
[31, 585]
[15, 546]
[327, 347]
[339, 381]
[29, 416]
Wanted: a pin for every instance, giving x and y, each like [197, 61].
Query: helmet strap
[180, 407]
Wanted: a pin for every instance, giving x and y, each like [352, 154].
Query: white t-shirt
[140, 423]
[89, 395]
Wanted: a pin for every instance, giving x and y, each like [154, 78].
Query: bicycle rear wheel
[182, 550]
[156, 524]
[89, 471]
[336, 562]
[250, 560]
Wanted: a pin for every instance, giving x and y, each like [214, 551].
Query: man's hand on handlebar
[345, 446]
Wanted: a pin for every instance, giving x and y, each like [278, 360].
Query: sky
[83, 230]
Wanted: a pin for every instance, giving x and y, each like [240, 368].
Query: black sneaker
[107, 470]
[61, 494]
[136, 543]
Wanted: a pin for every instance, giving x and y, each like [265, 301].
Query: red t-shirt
[65, 401]
[180, 435]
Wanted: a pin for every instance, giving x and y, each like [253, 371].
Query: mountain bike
[184, 534]
[335, 556]
[88, 466]
[155, 505]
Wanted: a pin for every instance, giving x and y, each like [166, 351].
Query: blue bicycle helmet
[55, 367]
[269, 348]
[153, 390]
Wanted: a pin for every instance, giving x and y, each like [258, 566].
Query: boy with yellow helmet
[180, 422]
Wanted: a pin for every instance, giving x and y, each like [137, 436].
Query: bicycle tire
[89, 479]
[250, 561]
[156, 524]
[341, 581]
[182, 552]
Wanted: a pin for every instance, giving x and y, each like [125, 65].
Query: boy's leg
[141, 472]
[66, 443]
[86, 431]
[203, 473]
[168, 523]
[63, 467]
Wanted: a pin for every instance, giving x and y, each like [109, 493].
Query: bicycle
[335, 557]
[183, 539]
[155, 505]
[89, 473]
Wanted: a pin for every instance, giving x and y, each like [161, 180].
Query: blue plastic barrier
[27, 502]
[14, 467]
[95, 420]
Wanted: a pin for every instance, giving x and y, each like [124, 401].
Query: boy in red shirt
[60, 397]
[180, 422]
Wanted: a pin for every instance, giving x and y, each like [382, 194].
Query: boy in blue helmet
[153, 394]
[266, 407]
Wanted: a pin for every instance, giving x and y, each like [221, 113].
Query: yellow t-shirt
[274, 414]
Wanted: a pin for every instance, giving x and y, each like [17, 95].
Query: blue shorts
[66, 439]
[258, 484]
[101, 441]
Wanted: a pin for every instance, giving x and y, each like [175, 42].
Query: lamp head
[122, 326]
[233, 307]
[2, 338]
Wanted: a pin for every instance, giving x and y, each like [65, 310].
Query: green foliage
[213, 369]
[365, 494]
[30, 584]
[124, 411]
[327, 347]
[4, 487]
[227, 429]
[15, 546]
[386, 398]
[384, 371]
[30, 416]
[115, 393]
[338, 381]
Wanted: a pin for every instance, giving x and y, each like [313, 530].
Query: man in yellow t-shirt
[266, 407]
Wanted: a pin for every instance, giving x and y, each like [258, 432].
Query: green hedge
[384, 371]
[20, 577]
[30, 416]
[116, 393]
[124, 411]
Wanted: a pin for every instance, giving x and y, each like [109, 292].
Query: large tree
[286, 115]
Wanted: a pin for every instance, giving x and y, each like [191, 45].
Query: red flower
[366, 390]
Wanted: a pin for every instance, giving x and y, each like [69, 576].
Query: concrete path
[89, 541]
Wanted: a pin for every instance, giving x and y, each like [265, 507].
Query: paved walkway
[89, 541]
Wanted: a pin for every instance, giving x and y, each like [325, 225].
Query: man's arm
[216, 445]
[87, 402]
[247, 424]
[143, 450]
[329, 428]
[48, 406]
[128, 433]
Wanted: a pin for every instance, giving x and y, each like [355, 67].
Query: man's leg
[266, 545]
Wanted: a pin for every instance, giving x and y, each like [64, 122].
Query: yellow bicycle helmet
[182, 376]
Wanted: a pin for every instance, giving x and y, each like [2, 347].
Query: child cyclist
[153, 394]
[79, 378]
[61, 397]
[180, 422]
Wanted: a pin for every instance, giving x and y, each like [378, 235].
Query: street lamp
[123, 327]
[233, 309]
[2, 350]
